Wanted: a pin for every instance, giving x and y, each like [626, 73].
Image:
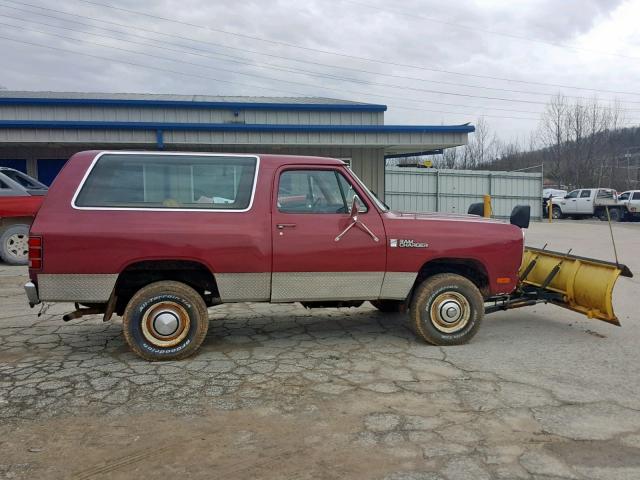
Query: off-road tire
[8, 244]
[437, 288]
[171, 293]
[390, 306]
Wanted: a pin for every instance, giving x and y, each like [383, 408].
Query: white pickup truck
[589, 202]
[631, 204]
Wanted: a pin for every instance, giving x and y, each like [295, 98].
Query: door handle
[282, 226]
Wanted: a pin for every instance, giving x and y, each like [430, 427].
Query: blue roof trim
[367, 107]
[238, 127]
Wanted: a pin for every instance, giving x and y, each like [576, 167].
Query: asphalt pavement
[278, 391]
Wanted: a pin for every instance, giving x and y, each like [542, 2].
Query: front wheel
[556, 213]
[165, 320]
[447, 309]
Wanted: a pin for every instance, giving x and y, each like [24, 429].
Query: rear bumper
[32, 293]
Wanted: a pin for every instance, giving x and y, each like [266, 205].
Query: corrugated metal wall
[188, 115]
[431, 190]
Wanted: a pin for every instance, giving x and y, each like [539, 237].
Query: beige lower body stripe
[248, 287]
[244, 287]
[325, 286]
[64, 287]
[397, 285]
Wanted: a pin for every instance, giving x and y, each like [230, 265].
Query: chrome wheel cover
[165, 324]
[450, 312]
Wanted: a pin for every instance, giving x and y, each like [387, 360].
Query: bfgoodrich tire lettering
[446, 309]
[159, 301]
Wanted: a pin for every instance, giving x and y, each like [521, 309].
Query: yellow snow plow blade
[584, 285]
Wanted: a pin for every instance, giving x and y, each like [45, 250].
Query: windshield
[371, 195]
[23, 180]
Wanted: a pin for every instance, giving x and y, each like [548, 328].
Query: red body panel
[307, 243]
[20, 206]
[495, 246]
[95, 241]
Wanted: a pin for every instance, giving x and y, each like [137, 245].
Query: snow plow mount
[584, 285]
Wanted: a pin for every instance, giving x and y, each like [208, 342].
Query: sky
[431, 62]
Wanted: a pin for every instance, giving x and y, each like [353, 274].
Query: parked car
[20, 198]
[631, 204]
[125, 233]
[589, 202]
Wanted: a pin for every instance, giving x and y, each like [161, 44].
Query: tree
[576, 140]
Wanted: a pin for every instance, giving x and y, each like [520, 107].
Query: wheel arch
[6, 222]
[470, 268]
[140, 273]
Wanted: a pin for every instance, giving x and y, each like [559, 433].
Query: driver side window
[310, 191]
[316, 191]
[573, 194]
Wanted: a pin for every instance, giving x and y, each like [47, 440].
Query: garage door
[16, 164]
[48, 169]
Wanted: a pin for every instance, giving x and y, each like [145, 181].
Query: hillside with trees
[579, 144]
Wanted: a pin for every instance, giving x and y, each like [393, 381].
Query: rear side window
[585, 194]
[636, 195]
[169, 181]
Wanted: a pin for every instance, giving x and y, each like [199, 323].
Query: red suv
[159, 237]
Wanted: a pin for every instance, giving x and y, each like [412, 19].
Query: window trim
[166, 209]
[339, 170]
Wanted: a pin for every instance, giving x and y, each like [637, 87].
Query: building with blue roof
[39, 131]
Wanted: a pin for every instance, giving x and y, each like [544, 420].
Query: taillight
[35, 252]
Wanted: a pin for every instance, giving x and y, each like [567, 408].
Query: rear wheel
[614, 214]
[602, 214]
[447, 309]
[14, 245]
[165, 320]
[389, 306]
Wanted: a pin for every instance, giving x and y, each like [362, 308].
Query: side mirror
[520, 216]
[355, 207]
[476, 209]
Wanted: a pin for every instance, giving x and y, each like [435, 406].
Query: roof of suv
[270, 158]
